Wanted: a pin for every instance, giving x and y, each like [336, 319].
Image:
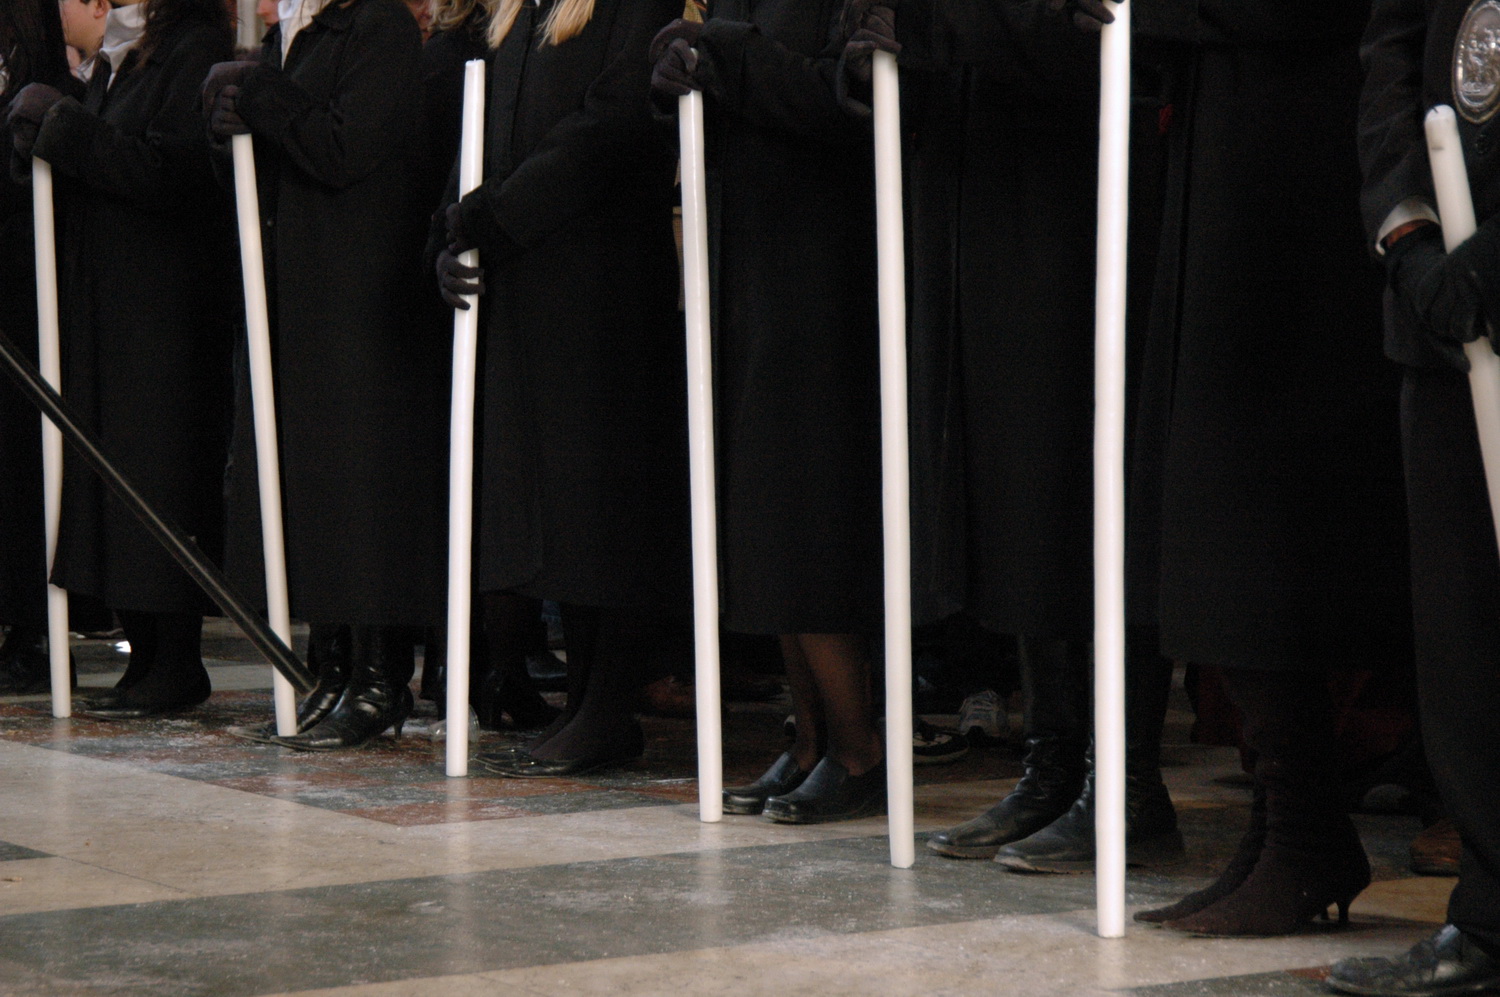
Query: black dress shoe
[522, 765]
[1052, 782]
[1447, 963]
[138, 703]
[781, 778]
[830, 793]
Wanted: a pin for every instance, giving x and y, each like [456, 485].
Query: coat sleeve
[341, 141]
[578, 166]
[165, 169]
[761, 81]
[1392, 142]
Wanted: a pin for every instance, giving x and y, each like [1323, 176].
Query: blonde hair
[566, 19]
[449, 14]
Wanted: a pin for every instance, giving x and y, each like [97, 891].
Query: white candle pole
[701, 457]
[461, 448]
[50, 355]
[1450, 179]
[1109, 475]
[263, 404]
[895, 466]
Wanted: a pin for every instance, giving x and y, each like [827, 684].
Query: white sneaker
[983, 720]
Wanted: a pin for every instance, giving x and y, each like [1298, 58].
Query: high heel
[374, 700]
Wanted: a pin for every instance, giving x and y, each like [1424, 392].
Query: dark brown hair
[31, 45]
[165, 16]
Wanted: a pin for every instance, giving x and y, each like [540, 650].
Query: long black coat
[583, 476]
[1003, 429]
[361, 379]
[1268, 526]
[791, 190]
[146, 303]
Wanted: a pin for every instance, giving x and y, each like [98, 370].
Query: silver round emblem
[1476, 62]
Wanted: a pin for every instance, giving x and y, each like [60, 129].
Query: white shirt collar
[295, 15]
[122, 32]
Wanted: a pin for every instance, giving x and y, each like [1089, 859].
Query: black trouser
[1456, 606]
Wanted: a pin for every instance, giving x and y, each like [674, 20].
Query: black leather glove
[456, 280]
[1438, 294]
[1088, 15]
[673, 62]
[27, 109]
[853, 16]
[224, 118]
[221, 75]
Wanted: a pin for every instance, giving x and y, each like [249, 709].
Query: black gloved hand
[1439, 300]
[224, 118]
[221, 75]
[27, 109]
[1088, 15]
[875, 33]
[853, 16]
[673, 62]
[456, 280]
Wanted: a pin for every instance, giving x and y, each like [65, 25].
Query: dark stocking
[606, 652]
[811, 742]
[839, 668]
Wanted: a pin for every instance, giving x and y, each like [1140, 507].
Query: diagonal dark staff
[177, 543]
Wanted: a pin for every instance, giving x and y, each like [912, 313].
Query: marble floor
[169, 857]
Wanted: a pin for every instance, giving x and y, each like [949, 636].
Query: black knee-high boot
[1054, 682]
[1151, 835]
[1312, 857]
[376, 698]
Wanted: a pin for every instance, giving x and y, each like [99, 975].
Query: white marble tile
[31, 885]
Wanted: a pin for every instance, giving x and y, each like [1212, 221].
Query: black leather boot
[328, 655]
[1151, 835]
[376, 699]
[1053, 681]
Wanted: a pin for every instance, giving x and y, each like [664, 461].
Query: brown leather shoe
[1436, 851]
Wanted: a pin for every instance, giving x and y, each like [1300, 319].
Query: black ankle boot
[328, 657]
[1151, 835]
[509, 694]
[1053, 681]
[174, 679]
[781, 778]
[376, 698]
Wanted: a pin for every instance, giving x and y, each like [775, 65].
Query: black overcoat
[583, 477]
[146, 303]
[1002, 318]
[1268, 526]
[791, 191]
[361, 377]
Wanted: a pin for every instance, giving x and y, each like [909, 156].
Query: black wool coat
[441, 67]
[361, 377]
[1003, 427]
[146, 297]
[23, 555]
[1267, 527]
[582, 465]
[791, 210]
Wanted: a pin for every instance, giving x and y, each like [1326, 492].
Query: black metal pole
[177, 543]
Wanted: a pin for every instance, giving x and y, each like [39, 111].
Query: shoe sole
[939, 759]
[963, 851]
[1165, 849]
[873, 810]
[744, 810]
[519, 773]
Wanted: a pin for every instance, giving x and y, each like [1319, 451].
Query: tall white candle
[895, 460]
[461, 448]
[1109, 474]
[50, 355]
